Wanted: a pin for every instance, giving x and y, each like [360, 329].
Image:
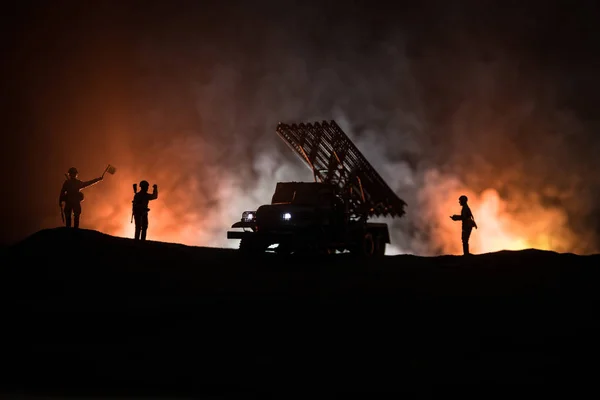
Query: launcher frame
[334, 159]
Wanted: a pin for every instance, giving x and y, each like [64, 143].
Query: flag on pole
[110, 169]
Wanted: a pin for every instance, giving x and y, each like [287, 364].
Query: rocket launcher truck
[330, 214]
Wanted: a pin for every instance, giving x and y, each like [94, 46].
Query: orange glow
[177, 216]
[503, 224]
[197, 200]
[197, 204]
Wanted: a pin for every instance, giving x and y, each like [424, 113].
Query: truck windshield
[310, 194]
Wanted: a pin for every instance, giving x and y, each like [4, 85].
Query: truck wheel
[252, 246]
[283, 249]
[379, 246]
[368, 245]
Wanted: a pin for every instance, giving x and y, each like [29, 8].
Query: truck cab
[306, 217]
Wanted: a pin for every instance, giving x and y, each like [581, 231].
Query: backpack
[139, 203]
[72, 194]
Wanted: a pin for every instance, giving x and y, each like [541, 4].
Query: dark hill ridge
[59, 252]
[87, 313]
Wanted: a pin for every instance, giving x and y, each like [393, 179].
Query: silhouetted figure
[71, 195]
[140, 208]
[468, 222]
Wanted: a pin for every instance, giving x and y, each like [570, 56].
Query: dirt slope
[87, 313]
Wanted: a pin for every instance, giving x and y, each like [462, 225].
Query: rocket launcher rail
[333, 158]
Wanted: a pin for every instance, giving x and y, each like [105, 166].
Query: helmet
[463, 198]
[144, 184]
[73, 171]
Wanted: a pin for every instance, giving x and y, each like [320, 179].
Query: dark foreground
[89, 314]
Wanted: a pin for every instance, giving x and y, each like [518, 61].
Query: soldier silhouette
[140, 208]
[468, 222]
[71, 195]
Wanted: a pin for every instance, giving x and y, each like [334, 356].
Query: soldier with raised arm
[140, 208]
[468, 222]
[71, 196]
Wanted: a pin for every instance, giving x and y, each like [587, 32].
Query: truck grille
[269, 218]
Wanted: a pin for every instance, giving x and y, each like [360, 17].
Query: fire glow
[501, 229]
[173, 217]
[179, 215]
[503, 224]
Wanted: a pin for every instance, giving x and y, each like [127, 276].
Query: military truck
[328, 215]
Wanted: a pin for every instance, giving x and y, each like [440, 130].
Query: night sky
[497, 100]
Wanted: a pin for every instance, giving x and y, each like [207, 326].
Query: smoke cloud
[442, 100]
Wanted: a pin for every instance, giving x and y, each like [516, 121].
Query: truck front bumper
[239, 234]
[274, 236]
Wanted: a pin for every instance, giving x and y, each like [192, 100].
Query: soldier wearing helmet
[71, 196]
[468, 222]
[140, 208]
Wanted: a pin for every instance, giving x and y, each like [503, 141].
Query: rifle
[62, 213]
[134, 192]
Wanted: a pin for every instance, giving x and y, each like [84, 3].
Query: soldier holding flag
[71, 195]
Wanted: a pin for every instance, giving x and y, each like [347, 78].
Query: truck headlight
[287, 216]
[248, 216]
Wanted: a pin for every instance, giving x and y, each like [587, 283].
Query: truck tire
[368, 245]
[284, 249]
[252, 246]
[379, 246]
